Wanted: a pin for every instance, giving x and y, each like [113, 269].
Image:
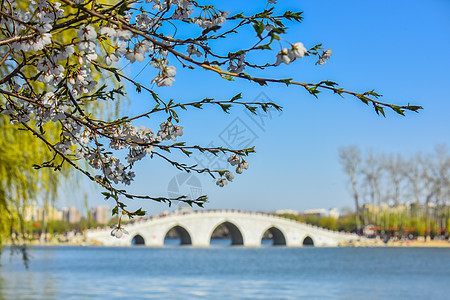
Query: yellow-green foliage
[20, 183]
[448, 226]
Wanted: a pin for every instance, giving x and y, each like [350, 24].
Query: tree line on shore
[397, 194]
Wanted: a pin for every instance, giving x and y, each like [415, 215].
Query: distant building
[36, 214]
[318, 212]
[33, 213]
[286, 212]
[322, 212]
[101, 214]
[54, 214]
[333, 213]
[71, 215]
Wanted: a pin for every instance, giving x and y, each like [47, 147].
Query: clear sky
[399, 48]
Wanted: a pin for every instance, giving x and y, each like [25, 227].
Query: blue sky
[399, 48]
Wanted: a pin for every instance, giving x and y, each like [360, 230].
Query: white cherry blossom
[298, 50]
[118, 231]
[87, 32]
[324, 57]
[107, 31]
[283, 56]
[233, 159]
[221, 182]
[229, 176]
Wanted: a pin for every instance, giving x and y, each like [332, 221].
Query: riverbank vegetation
[398, 194]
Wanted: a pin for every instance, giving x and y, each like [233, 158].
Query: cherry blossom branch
[11, 40]
[52, 80]
[312, 89]
[198, 201]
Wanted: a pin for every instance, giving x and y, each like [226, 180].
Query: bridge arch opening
[177, 235]
[273, 237]
[226, 233]
[138, 240]
[308, 242]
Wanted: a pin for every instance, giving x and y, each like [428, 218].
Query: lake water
[227, 273]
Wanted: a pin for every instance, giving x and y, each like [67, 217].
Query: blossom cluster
[111, 43]
[324, 57]
[289, 55]
[240, 164]
[237, 64]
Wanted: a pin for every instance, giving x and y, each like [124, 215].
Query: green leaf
[414, 108]
[213, 151]
[264, 47]
[188, 153]
[115, 211]
[252, 108]
[278, 30]
[372, 93]
[329, 83]
[155, 108]
[379, 109]
[213, 28]
[293, 16]
[259, 28]
[363, 98]
[222, 172]
[225, 107]
[264, 107]
[286, 81]
[249, 150]
[155, 96]
[261, 82]
[339, 92]
[123, 8]
[229, 78]
[238, 96]
[313, 91]
[398, 110]
[139, 212]
[165, 148]
[237, 16]
[138, 88]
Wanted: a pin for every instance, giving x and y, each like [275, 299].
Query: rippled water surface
[227, 273]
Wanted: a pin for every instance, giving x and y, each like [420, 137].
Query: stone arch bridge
[196, 228]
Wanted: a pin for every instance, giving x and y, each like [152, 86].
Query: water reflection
[1, 288]
[227, 273]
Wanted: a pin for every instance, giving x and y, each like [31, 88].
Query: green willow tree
[20, 183]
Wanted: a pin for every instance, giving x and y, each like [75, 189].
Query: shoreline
[399, 244]
[364, 243]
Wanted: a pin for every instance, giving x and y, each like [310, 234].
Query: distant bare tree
[442, 184]
[406, 194]
[395, 167]
[350, 158]
[412, 173]
[415, 185]
[372, 174]
[434, 180]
